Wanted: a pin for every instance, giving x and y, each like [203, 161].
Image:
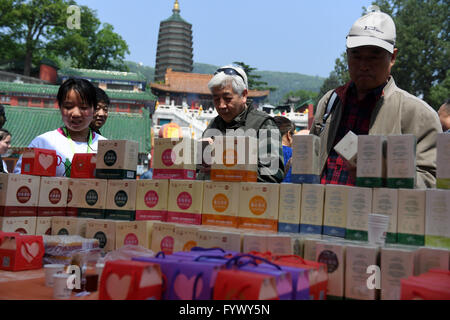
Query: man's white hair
[221, 80]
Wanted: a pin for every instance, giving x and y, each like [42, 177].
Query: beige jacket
[397, 112]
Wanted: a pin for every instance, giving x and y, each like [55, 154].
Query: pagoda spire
[176, 7]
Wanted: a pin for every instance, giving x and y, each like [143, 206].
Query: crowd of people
[370, 103]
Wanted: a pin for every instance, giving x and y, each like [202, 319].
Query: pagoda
[174, 45]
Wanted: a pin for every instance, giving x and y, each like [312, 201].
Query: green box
[411, 239]
[370, 182]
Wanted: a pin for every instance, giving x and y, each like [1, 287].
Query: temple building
[174, 48]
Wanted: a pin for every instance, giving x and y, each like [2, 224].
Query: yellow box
[117, 159]
[104, 231]
[24, 225]
[19, 194]
[163, 237]
[53, 196]
[220, 203]
[152, 199]
[137, 233]
[258, 206]
[174, 158]
[88, 198]
[186, 200]
[121, 200]
[185, 237]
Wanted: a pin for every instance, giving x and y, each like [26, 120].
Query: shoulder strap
[332, 102]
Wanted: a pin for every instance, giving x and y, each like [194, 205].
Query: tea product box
[359, 208]
[254, 241]
[437, 218]
[89, 197]
[216, 237]
[136, 233]
[19, 195]
[305, 159]
[186, 201]
[358, 258]
[385, 201]
[174, 158]
[443, 161]
[23, 225]
[69, 226]
[371, 168]
[104, 231]
[235, 159]
[401, 161]
[53, 196]
[117, 159]
[152, 199]
[258, 206]
[186, 237]
[333, 255]
[312, 207]
[411, 216]
[335, 210]
[43, 226]
[220, 203]
[347, 148]
[309, 247]
[431, 258]
[289, 207]
[279, 244]
[397, 263]
[121, 200]
[163, 237]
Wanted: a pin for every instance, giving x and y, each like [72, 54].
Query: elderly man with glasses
[229, 88]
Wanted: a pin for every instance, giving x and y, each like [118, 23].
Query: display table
[30, 285]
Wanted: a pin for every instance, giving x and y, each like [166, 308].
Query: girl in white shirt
[77, 102]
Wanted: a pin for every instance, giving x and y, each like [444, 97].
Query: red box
[130, 280]
[83, 165]
[40, 162]
[20, 252]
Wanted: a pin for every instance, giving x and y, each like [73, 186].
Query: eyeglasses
[230, 72]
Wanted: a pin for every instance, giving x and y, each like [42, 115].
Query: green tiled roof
[102, 74]
[176, 17]
[51, 90]
[26, 123]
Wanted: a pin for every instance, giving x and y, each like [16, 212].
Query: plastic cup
[377, 228]
[99, 269]
[60, 288]
[50, 270]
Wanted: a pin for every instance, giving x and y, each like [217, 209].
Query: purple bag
[198, 251]
[283, 278]
[186, 280]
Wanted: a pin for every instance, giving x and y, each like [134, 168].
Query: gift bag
[234, 284]
[318, 276]
[20, 252]
[40, 162]
[433, 285]
[198, 251]
[83, 165]
[130, 280]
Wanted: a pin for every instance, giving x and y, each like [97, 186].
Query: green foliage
[303, 95]
[253, 79]
[423, 33]
[38, 28]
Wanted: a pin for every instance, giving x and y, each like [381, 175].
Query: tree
[303, 95]
[423, 32]
[252, 78]
[39, 28]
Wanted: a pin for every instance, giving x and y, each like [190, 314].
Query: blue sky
[271, 35]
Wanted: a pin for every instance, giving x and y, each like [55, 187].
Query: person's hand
[288, 165]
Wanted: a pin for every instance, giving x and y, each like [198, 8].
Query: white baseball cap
[373, 29]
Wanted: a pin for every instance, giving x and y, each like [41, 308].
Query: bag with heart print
[130, 280]
[40, 162]
[83, 165]
[20, 252]
[187, 280]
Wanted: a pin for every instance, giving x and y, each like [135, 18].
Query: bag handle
[161, 253]
[206, 249]
[210, 257]
[237, 258]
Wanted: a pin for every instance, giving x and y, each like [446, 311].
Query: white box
[312, 206]
[333, 255]
[401, 161]
[359, 208]
[437, 219]
[347, 148]
[431, 258]
[371, 169]
[411, 216]
[335, 210]
[385, 201]
[289, 208]
[23, 225]
[443, 161]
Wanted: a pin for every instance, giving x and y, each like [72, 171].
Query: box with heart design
[83, 165]
[130, 280]
[187, 200]
[186, 280]
[40, 162]
[137, 233]
[53, 196]
[19, 195]
[22, 225]
[121, 200]
[152, 199]
[20, 252]
[117, 159]
[88, 197]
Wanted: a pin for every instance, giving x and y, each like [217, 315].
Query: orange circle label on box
[257, 205]
[189, 245]
[230, 157]
[220, 202]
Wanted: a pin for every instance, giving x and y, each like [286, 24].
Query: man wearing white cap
[229, 88]
[371, 103]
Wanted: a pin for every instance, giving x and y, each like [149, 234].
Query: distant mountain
[283, 81]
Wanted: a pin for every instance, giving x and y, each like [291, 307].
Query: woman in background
[287, 130]
[77, 102]
[5, 144]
